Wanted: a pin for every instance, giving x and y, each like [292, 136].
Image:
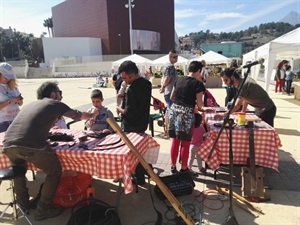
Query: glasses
[60, 92]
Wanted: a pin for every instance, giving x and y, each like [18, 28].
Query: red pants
[279, 84]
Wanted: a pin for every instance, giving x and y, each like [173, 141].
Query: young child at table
[197, 139]
[99, 123]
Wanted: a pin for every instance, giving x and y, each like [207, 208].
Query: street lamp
[129, 6]
[120, 39]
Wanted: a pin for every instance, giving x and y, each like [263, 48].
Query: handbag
[72, 189]
[179, 184]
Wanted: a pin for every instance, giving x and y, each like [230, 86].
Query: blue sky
[190, 15]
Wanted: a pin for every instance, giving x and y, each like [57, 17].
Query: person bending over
[26, 141]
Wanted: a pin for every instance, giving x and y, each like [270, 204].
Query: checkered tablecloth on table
[106, 158]
[266, 144]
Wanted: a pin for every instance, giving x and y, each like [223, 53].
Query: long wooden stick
[242, 199]
[171, 198]
[243, 206]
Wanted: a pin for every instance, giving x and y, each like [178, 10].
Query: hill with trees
[252, 37]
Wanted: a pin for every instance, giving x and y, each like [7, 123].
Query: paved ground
[136, 208]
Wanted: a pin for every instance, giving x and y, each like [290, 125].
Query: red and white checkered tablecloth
[107, 158]
[266, 144]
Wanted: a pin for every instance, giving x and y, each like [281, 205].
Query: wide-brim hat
[7, 71]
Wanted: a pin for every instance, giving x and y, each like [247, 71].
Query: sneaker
[173, 170]
[51, 212]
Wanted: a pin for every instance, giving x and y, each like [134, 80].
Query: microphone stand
[231, 219]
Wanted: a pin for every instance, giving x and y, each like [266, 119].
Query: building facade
[229, 49]
[152, 24]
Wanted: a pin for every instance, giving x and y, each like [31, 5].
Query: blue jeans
[4, 125]
[168, 101]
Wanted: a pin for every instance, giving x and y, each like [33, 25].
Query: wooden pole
[167, 193]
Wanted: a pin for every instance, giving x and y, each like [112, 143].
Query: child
[99, 122]
[197, 139]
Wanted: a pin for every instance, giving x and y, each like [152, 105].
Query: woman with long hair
[10, 97]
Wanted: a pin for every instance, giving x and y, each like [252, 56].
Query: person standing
[250, 94]
[136, 111]
[169, 78]
[187, 92]
[289, 79]
[10, 96]
[26, 141]
[280, 76]
[204, 72]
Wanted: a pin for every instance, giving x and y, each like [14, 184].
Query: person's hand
[162, 89]
[95, 113]
[106, 131]
[119, 110]
[91, 121]
[120, 95]
[16, 100]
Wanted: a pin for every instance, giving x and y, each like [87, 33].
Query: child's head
[97, 98]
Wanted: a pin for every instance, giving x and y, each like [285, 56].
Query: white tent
[212, 57]
[286, 47]
[141, 62]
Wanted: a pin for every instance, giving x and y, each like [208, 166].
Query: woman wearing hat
[10, 97]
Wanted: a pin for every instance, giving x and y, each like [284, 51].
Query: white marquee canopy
[286, 47]
[212, 57]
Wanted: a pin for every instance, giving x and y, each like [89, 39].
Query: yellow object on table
[241, 118]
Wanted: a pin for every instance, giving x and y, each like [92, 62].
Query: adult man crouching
[26, 141]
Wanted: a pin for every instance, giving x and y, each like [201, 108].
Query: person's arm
[164, 83]
[77, 115]
[114, 80]
[199, 102]
[16, 100]
[239, 102]
[245, 105]
[172, 96]
[111, 116]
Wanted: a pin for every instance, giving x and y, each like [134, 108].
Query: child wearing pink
[197, 139]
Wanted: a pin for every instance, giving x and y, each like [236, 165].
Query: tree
[17, 38]
[49, 24]
[2, 42]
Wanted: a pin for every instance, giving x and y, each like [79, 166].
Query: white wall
[70, 47]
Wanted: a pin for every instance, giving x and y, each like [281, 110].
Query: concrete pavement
[136, 208]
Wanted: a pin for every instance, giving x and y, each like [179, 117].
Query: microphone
[260, 61]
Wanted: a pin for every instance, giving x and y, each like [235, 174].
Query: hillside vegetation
[252, 37]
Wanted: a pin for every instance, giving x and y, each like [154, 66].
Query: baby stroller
[159, 106]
